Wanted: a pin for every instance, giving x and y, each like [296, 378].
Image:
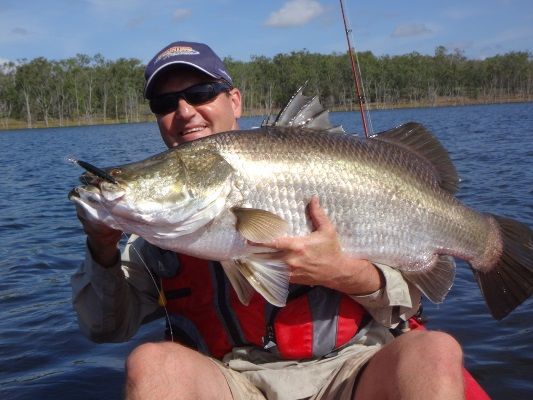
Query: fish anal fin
[259, 225]
[270, 278]
[436, 281]
[415, 138]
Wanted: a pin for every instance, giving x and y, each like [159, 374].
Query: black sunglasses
[194, 95]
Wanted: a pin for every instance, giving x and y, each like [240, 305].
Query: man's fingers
[285, 243]
[318, 215]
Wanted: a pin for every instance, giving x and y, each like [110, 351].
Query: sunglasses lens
[164, 104]
[199, 94]
[195, 95]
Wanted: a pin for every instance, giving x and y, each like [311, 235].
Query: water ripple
[45, 356]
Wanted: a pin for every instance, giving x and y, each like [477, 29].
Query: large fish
[390, 198]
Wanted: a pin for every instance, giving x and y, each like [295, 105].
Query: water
[42, 353]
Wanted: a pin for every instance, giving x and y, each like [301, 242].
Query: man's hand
[317, 259]
[101, 240]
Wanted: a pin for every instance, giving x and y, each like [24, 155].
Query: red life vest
[206, 314]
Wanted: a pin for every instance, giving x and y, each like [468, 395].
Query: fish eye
[115, 172]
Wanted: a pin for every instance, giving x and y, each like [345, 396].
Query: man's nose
[184, 109]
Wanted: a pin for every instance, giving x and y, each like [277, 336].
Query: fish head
[175, 191]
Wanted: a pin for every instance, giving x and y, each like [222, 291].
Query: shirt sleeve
[398, 300]
[111, 303]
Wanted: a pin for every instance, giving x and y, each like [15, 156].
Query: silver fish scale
[385, 206]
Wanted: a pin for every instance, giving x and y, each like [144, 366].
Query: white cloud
[414, 29]
[181, 13]
[5, 67]
[295, 13]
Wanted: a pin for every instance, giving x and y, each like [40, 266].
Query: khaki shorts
[332, 378]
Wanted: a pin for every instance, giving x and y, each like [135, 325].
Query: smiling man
[331, 340]
[185, 97]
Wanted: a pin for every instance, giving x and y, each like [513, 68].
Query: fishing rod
[356, 72]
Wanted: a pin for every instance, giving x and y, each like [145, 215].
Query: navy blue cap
[196, 55]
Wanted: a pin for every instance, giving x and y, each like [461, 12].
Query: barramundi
[390, 197]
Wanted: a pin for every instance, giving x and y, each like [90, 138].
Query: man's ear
[236, 104]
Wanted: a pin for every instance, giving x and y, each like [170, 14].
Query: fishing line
[161, 295]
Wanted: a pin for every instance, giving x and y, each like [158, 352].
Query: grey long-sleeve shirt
[112, 303]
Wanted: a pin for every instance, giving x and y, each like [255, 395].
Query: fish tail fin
[510, 282]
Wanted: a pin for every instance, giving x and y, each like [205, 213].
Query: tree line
[87, 90]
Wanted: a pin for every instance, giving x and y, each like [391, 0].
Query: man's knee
[140, 362]
[418, 364]
[151, 359]
[439, 349]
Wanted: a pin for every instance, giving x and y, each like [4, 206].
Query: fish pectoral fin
[259, 226]
[242, 287]
[270, 278]
[435, 282]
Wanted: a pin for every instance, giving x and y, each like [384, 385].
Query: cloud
[7, 66]
[136, 22]
[18, 31]
[295, 13]
[181, 13]
[411, 30]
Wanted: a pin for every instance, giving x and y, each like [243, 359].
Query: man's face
[190, 122]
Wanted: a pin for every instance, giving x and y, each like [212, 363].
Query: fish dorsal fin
[414, 137]
[304, 112]
[259, 225]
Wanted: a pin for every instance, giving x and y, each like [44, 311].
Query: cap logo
[176, 51]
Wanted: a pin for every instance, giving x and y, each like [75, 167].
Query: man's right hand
[101, 240]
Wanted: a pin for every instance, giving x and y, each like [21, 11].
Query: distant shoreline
[12, 124]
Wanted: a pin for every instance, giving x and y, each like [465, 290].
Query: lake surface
[43, 355]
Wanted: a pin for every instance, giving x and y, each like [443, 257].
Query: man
[258, 351]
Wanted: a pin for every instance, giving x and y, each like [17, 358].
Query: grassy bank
[146, 116]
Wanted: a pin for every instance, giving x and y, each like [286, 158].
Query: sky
[241, 29]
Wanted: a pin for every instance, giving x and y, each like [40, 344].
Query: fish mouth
[97, 183]
[73, 194]
[85, 193]
[95, 171]
[95, 193]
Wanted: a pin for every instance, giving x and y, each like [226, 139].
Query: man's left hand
[318, 259]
